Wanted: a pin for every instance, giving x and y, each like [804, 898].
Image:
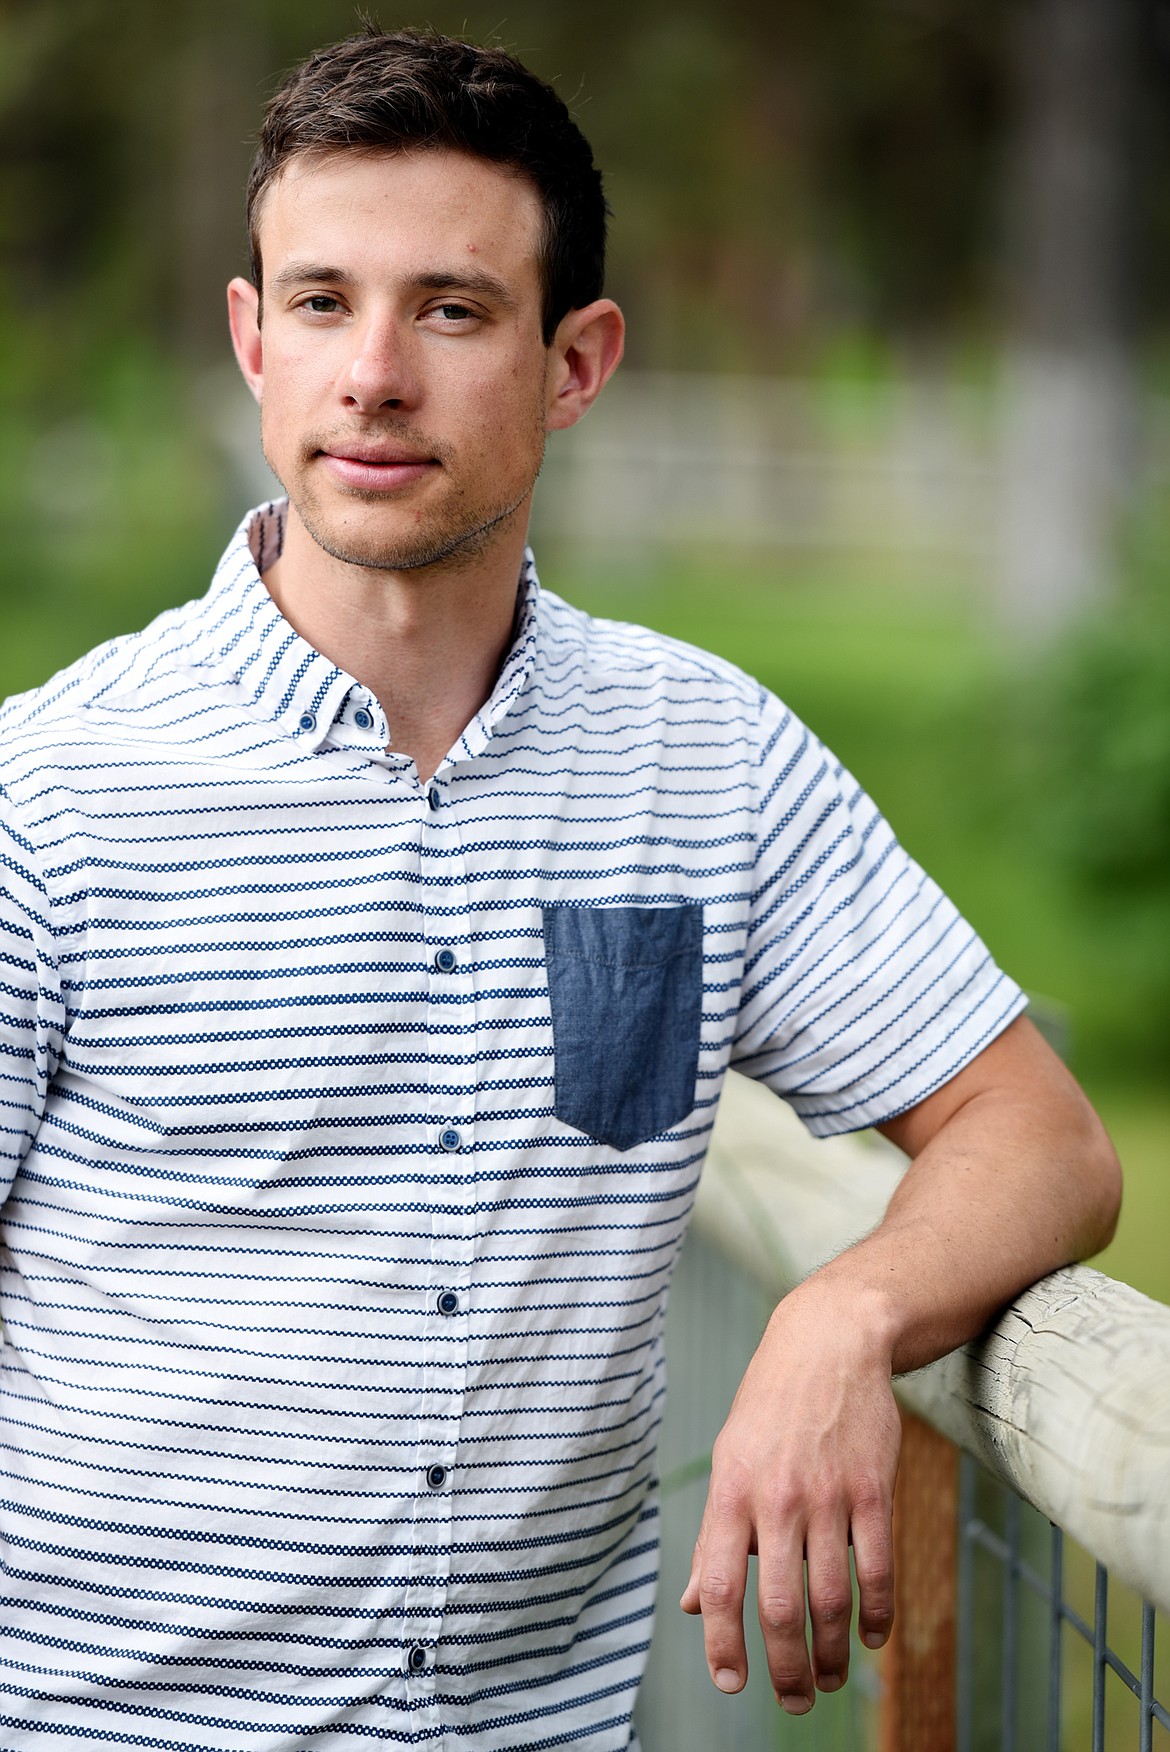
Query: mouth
[376, 468]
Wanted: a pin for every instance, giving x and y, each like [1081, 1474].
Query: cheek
[505, 410]
[285, 398]
[288, 376]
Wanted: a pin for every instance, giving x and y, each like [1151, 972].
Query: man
[378, 932]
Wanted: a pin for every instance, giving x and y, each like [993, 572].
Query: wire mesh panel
[717, 1316]
[1046, 1658]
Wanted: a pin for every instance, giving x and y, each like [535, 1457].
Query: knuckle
[832, 1607]
[718, 1591]
[871, 1496]
[730, 1485]
[879, 1614]
[873, 1560]
[781, 1615]
[725, 1452]
[786, 1503]
[876, 1582]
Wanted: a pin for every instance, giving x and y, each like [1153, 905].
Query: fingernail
[830, 1682]
[873, 1639]
[796, 1705]
[727, 1679]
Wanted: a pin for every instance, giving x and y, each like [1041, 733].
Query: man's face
[404, 378]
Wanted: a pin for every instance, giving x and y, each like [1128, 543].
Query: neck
[428, 642]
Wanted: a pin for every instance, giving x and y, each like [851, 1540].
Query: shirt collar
[516, 669]
[239, 636]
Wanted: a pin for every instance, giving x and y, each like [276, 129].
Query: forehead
[379, 203]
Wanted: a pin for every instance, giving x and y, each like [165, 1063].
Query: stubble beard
[455, 534]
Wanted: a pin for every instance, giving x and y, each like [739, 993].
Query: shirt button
[307, 721]
[363, 719]
[447, 1302]
[446, 960]
[436, 1477]
[433, 796]
[418, 1660]
[450, 1139]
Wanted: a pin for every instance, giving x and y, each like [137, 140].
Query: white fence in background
[1010, 488]
[674, 458]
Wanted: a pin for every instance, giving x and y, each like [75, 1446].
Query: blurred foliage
[1107, 736]
[112, 506]
[1106, 719]
[778, 174]
[1094, 780]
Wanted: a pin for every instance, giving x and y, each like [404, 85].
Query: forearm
[1017, 1179]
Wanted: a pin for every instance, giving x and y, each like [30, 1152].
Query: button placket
[447, 966]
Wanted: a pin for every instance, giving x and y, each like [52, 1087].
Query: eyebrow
[430, 280]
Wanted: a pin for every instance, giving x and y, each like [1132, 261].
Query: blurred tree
[1070, 385]
[1096, 794]
[777, 173]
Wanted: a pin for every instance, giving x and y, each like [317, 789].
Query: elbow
[1103, 1187]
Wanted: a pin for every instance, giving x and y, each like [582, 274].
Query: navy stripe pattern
[332, 1362]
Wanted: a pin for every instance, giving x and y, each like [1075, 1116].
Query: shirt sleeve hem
[828, 1116]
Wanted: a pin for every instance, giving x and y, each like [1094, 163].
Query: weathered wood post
[918, 1666]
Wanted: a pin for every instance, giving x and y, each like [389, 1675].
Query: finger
[690, 1594]
[719, 1585]
[781, 1604]
[830, 1601]
[873, 1559]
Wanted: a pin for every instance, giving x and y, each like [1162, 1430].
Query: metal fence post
[918, 1668]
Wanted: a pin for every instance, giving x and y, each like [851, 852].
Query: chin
[376, 539]
[401, 551]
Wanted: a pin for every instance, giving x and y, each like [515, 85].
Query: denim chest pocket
[626, 987]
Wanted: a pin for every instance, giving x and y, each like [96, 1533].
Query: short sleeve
[31, 1012]
[864, 988]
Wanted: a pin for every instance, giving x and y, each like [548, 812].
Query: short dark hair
[409, 90]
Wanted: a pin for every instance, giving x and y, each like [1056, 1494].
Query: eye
[321, 304]
[452, 312]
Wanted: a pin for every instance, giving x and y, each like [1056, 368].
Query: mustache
[387, 432]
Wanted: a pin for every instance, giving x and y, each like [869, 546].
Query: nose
[379, 373]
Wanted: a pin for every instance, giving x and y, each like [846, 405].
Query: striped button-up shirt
[352, 1127]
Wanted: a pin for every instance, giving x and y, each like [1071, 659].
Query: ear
[244, 322]
[583, 356]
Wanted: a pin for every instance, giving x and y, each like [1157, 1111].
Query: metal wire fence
[1033, 1665]
[1049, 1653]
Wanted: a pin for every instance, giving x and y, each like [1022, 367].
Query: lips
[376, 468]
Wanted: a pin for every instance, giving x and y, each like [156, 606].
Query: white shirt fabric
[337, 1247]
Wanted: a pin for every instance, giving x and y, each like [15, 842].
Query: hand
[806, 1461]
